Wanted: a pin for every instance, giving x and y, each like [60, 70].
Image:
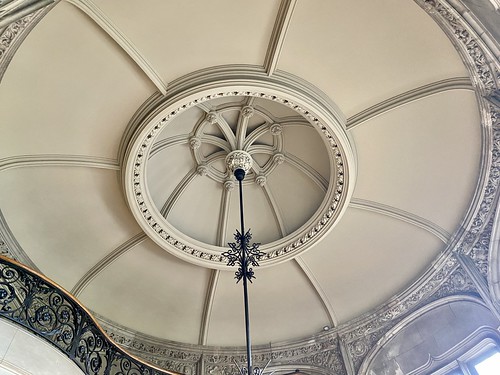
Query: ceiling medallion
[262, 137]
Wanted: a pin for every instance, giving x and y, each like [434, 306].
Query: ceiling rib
[264, 128]
[459, 83]
[278, 35]
[278, 216]
[46, 160]
[258, 132]
[181, 186]
[227, 131]
[214, 275]
[105, 262]
[184, 139]
[14, 249]
[241, 127]
[207, 308]
[319, 291]
[309, 171]
[96, 14]
[168, 142]
[402, 215]
[303, 266]
[223, 216]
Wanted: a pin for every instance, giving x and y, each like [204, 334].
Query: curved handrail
[47, 310]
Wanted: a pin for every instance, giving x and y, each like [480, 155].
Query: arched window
[482, 359]
[486, 364]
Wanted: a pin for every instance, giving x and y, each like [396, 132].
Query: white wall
[22, 353]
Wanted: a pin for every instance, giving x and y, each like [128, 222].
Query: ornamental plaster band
[149, 124]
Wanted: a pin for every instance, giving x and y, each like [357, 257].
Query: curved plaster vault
[373, 128]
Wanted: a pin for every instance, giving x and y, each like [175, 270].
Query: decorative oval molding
[158, 112]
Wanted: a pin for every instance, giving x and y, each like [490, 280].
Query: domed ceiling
[116, 118]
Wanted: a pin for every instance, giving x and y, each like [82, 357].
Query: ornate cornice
[322, 352]
[480, 251]
[14, 34]
[482, 64]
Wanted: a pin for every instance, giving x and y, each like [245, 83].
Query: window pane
[489, 366]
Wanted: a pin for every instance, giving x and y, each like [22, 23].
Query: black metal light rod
[240, 175]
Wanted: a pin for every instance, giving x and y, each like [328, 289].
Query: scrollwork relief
[4, 249]
[462, 33]
[480, 251]
[13, 35]
[325, 354]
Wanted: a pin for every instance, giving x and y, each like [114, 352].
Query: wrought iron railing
[47, 310]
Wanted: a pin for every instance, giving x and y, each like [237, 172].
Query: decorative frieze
[485, 78]
[480, 251]
[321, 352]
[4, 249]
[13, 35]
[484, 73]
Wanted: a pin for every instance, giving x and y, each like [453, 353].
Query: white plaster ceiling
[76, 81]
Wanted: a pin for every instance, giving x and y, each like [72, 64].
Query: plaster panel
[422, 158]
[289, 183]
[32, 355]
[283, 305]
[365, 52]
[7, 332]
[69, 216]
[79, 95]
[196, 212]
[163, 180]
[367, 258]
[299, 142]
[151, 291]
[259, 217]
[181, 37]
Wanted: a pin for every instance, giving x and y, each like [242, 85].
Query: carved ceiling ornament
[152, 119]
